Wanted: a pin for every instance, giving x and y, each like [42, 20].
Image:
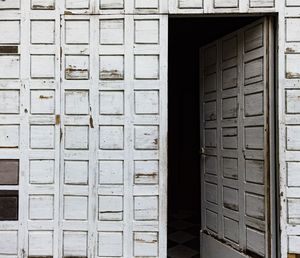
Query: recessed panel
[146, 208]
[229, 78]
[146, 102]
[230, 168]
[146, 138]
[12, 4]
[293, 207]
[254, 37]
[9, 32]
[77, 67]
[254, 138]
[190, 4]
[111, 172]
[293, 169]
[77, 102]
[146, 172]
[112, 32]
[111, 137]
[230, 138]
[255, 241]
[77, 137]
[229, 108]
[259, 3]
[8, 242]
[75, 243]
[111, 208]
[75, 207]
[145, 244]
[210, 83]
[231, 198]
[77, 31]
[254, 71]
[41, 207]
[211, 220]
[42, 102]
[292, 101]
[42, 32]
[254, 170]
[10, 67]
[229, 46]
[8, 205]
[42, 66]
[76, 172]
[111, 102]
[210, 111]
[9, 101]
[210, 163]
[293, 244]
[255, 206]
[77, 4]
[112, 67]
[111, 4]
[231, 230]
[9, 136]
[43, 4]
[40, 243]
[41, 171]
[211, 192]
[293, 138]
[42, 136]
[254, 104]
[147, 67]
[110, 244]
[146, 4]
[146, 31]
[226, 4]
[210, 138]
[9, 172]
[292, 29]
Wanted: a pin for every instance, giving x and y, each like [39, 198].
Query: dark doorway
[186, 36]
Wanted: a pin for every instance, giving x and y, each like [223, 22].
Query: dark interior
[186, 36]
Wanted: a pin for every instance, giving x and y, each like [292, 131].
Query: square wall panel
[42, 66]
[146, 138]
[190, 4]
[112, 32]
[9, 136]
[9, 101]
[42, 32]
[146, 4]
[43, 4]
[9, 172]
[76, 172]
[111, 172]
[112, 67]
[77, 102]
[9, 242]
[42, 102]
[77, 67]
[146, 172]
[9, 203]
[75, 207]
[9, 67]
[111, 208]
[146, 31]
[146, 102]
[77, 137]
[77, 4]
[12, 4]
[145, 244]
[42, 136]
[40, 243]
[147, 67]
[77, 31]
[9, 32]
[75, 244]
[41, 171]
[112, 4]
[111, 137]
[293, 168]
[146, 208]
[110, 244]
[111, 102]
[41, 207]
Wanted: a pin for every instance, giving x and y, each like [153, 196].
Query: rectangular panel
[254, 138]
[9, 136]
[230, 198]
[8, 205]
[111, 172]
[293, 207]
[9, 101]
[146, 208]
[111, 208]
[41, 207]
[190, 3]
[255, 241]
[231, 230]
[226, 4]
[9, 67]
[8, 242]
[9, 172]
[110, 244]
[40, 243]
[41, 171]
[12, 4]
[43, 4]
[75, 243]
[146, 171]
[230, 168]
[293, 169]
[255, 206]
[145, 244]
[254, 171]
[112, 32]
[9, 32]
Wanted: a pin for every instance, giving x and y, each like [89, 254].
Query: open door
[236, 147]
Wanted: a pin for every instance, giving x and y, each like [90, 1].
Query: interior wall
[186, 36]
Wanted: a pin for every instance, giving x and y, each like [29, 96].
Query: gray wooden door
[235, 144]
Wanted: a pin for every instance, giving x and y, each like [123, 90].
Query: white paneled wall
[90, 129]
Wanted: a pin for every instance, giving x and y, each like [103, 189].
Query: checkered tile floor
[183, 235]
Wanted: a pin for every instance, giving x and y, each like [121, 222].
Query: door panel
[235, 143]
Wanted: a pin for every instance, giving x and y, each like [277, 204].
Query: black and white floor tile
[183, 235]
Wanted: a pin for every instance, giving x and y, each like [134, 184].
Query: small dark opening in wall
[186, 37]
